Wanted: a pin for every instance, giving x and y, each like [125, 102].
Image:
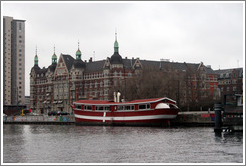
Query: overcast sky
[208, 32]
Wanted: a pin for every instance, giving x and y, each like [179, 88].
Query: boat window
[129, 107]
[101, 108]
[144, 106]
[119, 107]
[78, 106]
[88, 107]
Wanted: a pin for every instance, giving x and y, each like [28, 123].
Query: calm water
[100, 144]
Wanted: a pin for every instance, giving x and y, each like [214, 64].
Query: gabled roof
[78, 63]
[226, 73]
[95, 66]
[69, 60]
[128, 63]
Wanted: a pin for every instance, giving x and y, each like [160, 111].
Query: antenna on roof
[78, 43]
[94, 55]
[115, 34]
[54, 48]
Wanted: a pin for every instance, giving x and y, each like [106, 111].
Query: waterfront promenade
[39, 119]
[197, 118]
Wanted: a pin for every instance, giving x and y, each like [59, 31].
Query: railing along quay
[198, 118]
[40, 119]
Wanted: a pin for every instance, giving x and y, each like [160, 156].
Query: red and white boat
[145, 112]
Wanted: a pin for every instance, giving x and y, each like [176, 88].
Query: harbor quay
[39, 119]
[192, 118]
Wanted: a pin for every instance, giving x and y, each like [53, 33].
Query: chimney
[115, 99]
[118, 96]
[90, 60]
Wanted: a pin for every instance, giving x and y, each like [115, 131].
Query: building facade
[13, 61]
[68, 79]
[230, 82]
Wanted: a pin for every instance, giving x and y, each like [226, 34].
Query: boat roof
[140, 101]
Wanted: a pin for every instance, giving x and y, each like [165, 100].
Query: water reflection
[108, 144]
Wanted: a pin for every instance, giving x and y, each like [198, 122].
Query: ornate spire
[78, 53]
[36, 50]
[116, 45]
[36, 58]
[54, 57]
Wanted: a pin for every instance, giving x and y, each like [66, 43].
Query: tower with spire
[78, 63]
[36, 58]
[116, 57]
[54, 57]
[78, 53]
[116, 45]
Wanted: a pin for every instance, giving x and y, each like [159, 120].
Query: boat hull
[159, 117]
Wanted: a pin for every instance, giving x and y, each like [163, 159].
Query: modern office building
[13, 61]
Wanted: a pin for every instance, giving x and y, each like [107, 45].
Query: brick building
[69, 79]
[230, 82]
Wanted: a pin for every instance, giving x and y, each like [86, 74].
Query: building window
[19, 26]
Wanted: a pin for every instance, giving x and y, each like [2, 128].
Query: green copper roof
[54, 58]
[36, 60]
[116, 46]
[78, 54]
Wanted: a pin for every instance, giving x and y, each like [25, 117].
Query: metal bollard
[218, 122]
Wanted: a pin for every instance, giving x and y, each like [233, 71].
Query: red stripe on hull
[132, 113]
[135, 122]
